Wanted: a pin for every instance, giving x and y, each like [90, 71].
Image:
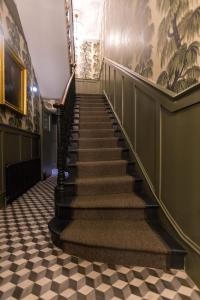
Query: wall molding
[19, 130]
[168, 99]
[16, 145]
[169, 217]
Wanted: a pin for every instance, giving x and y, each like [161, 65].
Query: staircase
[105, 215]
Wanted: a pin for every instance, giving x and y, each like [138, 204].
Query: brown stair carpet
[103, 217]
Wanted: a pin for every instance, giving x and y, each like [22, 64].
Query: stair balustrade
[64, 121]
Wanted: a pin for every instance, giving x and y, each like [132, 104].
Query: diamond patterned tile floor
[32, 267]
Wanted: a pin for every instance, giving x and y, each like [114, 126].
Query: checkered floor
[33, 268]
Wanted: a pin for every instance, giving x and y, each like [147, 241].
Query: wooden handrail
[172, 95]
[168, 99]
[66, 90]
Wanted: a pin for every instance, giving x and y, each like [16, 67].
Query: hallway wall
[139, 35]
[44, 25]
[162, 134]
[11, 30]
[19, 134]
[160, 121]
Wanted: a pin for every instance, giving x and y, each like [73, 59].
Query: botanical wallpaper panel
[14, 38]
[158, 39]
[88, 59]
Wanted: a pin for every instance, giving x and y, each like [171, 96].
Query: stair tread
[97, 149]
[101, 180]
[96, 130]
[129, 235]
[98, 163]
[92, 123]
[123, 200]
[114, 138]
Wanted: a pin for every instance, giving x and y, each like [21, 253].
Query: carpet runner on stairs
[104, 217]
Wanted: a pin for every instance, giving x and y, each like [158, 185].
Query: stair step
[103, 154]
[94, 119]
[96, 125]
[94, 113]
[86, 143]
[99, 185]
[98, 168]
[119, 242]
[123, 200]
[89, 100]
[96, 133]
[113, 206]
[92, 108]
[91, 104]
[90, 96]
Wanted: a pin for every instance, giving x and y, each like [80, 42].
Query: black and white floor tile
[33, 268]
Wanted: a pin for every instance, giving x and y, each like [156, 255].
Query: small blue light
[34, 89]
[54, 172]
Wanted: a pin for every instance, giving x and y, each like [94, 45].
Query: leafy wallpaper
[12, 35]
[159, 39]
[178, 44]
[88, 60]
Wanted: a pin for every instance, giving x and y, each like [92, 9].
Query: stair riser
[88, 106]
[88, 188]
[97, 156]
[100, 214]
[100, 125]
[91, 109]
[93, 114]
[88, 98]
[96, 144]
[90, 102]
[94, 119]
[97, 171]
[119, 257]
[97, 134]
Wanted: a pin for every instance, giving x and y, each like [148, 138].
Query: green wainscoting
[15, 145]
[162, 129]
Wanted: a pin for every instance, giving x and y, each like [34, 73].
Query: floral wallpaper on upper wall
[88, 60]
[15, 39]
[159, 39]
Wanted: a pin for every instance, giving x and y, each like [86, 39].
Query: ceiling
[89, 18]
[44, 25]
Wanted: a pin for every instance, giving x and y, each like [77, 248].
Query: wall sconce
[34, 89]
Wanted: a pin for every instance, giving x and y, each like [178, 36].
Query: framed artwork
[13, 85]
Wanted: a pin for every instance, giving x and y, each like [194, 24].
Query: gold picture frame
[13, 83]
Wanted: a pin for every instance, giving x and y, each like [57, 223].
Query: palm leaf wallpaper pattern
[158, 39]
[144, 29]
[176, 45]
